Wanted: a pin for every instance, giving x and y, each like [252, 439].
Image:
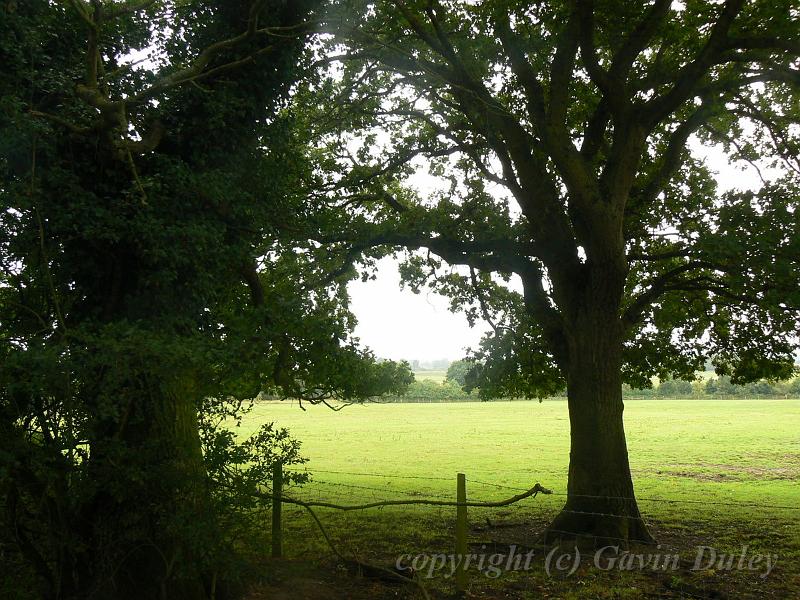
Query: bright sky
[399, 324]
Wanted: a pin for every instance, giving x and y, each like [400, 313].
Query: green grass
[729, 450]
[437, 376]
[734, 451]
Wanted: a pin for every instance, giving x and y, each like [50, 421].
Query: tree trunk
[159, 518]
[601, 507]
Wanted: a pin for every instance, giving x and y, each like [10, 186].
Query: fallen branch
[536, 489]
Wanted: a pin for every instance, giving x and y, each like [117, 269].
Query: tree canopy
[458, 371]
[564, 133]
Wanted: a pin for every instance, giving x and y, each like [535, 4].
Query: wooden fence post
[277, 492]
[461, 534]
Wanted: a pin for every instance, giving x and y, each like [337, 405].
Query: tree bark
[601, 506]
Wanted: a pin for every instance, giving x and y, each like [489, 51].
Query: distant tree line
[439, 364]
[716, 388]
[427, 389]
[452, 388]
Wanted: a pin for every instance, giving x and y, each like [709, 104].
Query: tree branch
[671, 157]
[585, 13]
[689, 77]
[637, 41]
[522, 69]
[482, 301]
[657, 287]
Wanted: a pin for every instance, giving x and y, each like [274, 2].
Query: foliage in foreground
[154, 268]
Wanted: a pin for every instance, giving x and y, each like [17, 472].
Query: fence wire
[520, 489]
[326, 490]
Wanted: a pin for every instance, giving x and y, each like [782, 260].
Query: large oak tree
[567, 135]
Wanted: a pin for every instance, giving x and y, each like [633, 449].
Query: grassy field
[729, 459]
[437, 376]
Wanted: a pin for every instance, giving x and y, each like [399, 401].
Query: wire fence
[520, 489]
[346, 496]
[707, 502]
[378, 495]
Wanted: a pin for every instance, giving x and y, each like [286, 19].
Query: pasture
[708, 473]
[437, 376]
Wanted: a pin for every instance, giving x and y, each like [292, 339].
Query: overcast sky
[402, 325]
[399, 324]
